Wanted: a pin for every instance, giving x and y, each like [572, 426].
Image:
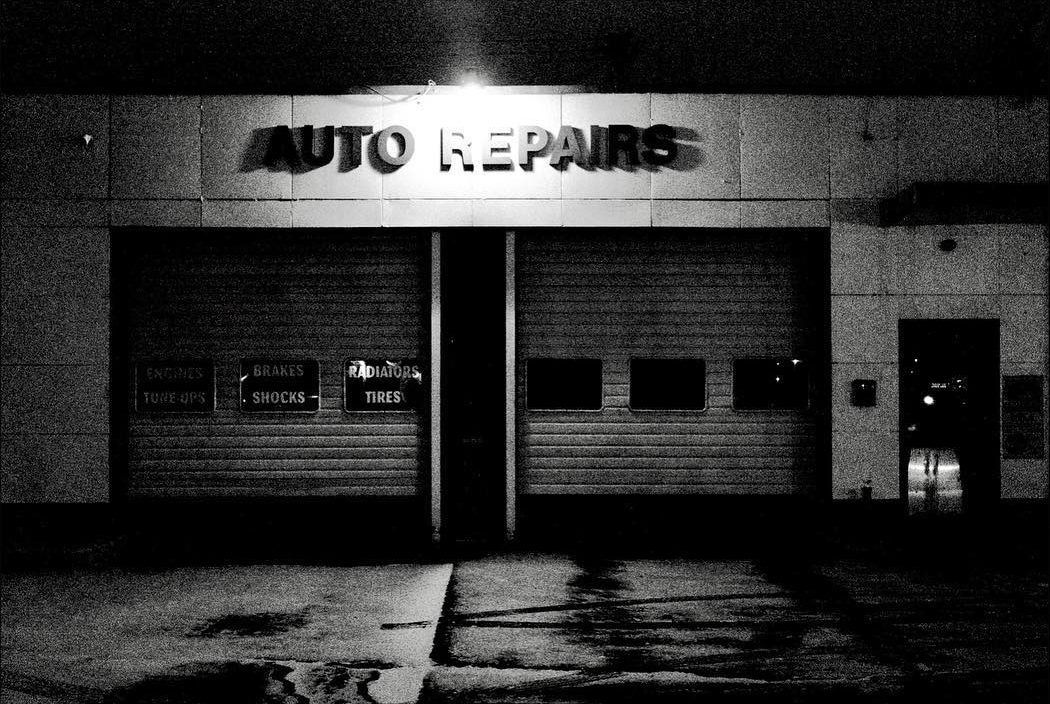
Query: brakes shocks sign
[382, 385]
[280, 386]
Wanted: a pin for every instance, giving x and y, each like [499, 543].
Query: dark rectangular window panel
[1023, 420]
[668, 385]
[563, 384]
[770, 384]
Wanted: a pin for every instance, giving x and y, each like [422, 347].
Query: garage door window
[668, 385]
[563, 384]
[770, 384]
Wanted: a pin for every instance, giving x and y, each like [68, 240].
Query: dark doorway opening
[949, 415]
[472, 384]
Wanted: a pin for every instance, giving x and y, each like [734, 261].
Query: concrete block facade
[882, 275]
[75, 165]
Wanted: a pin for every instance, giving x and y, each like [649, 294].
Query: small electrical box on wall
[862, 392]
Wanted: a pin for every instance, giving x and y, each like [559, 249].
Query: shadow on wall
[254, 156]
[690, 155]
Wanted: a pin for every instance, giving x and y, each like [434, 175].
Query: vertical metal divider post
[435, 387]
[510, 379]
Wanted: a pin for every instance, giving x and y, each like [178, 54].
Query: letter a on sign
[566, 146]
[281, 148]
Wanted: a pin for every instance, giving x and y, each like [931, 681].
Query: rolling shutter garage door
[711, 295]
[324, 296]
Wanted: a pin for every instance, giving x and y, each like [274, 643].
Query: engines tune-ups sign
[382, 385]
[280, 386]
[175, 386]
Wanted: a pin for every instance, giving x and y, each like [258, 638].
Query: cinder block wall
[746, 161]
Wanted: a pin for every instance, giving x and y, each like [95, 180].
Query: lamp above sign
[604, 146]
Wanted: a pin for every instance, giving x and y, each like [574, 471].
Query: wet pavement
[529, 628]
[554, 628]
[220, 634]
[725, 618]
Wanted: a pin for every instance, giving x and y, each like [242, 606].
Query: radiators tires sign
[382, 385]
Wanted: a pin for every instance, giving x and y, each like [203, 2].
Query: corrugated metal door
[226, 296]
[711, 295]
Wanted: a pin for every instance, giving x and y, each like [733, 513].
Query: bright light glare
[471, 83]
[928, 400]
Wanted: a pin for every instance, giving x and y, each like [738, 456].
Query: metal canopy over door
[710, 295]
[225, 296]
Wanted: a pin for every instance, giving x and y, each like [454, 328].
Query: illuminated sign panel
[603, 146]
[280, 386]
[382, 385]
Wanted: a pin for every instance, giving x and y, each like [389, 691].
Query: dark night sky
[337, 46]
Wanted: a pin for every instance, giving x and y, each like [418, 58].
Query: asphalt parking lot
[553, 628]
[530, 627]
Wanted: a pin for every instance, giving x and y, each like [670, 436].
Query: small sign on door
[280, 386]
[382, 385]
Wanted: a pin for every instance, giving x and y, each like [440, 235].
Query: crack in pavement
[582, 606]
[647, 625]
[406, 624]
